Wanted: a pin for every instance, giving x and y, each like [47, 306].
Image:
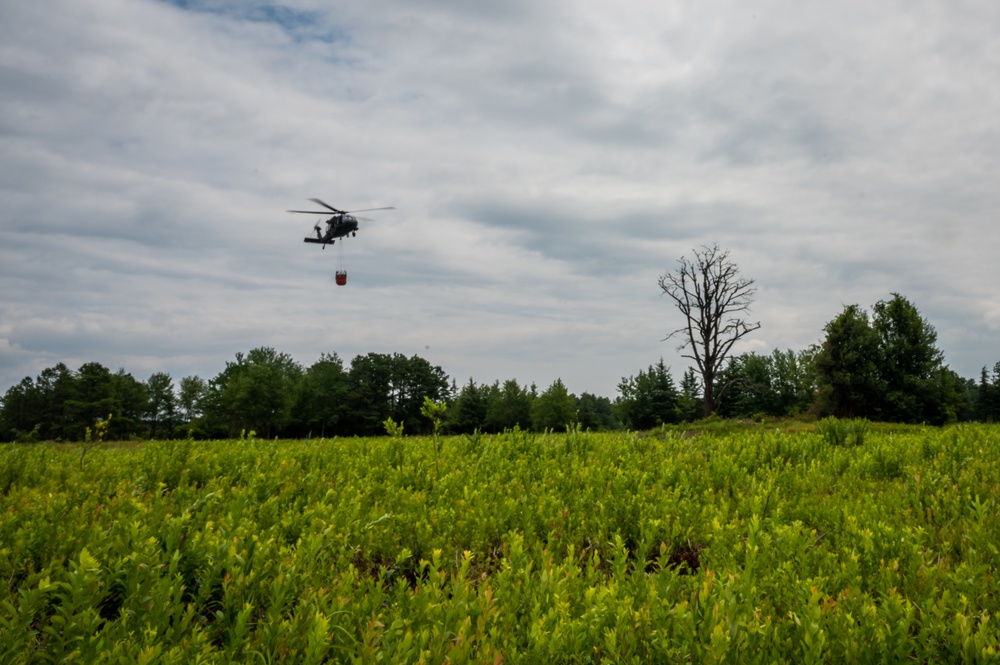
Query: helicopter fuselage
[337, 226]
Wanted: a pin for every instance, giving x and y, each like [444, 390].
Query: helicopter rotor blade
[325, 213]
[370, 209]
[326, 205]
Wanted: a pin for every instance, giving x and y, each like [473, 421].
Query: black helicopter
[338, 226]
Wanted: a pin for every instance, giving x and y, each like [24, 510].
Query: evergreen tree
[848, 365]
[909, 361]
[508, 407]
[468, 413]
[596, 413]
[648, 399]
[554, 409]
[129, 400]
[888, 368]
[92, 399]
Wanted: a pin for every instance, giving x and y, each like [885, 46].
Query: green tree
[648, 399]
[393, 386]
[749, 390]
[58, 387]
[39, 408]
[92, 399]
[256, 392]
[554, 408]
[509, 406]
[689, 399]
[414, 379]
[161, 405]
[793, 377]
[988, 397]
[129, 399]
[369, 393]
[191, 400]
[21, 411]
[778, 384]
[888, 368]
[909, 360]
[468, 413]
[950, 398]
[596, 413]
[848, 365]
[321, 400]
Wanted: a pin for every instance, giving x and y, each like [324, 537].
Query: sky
[547, 161]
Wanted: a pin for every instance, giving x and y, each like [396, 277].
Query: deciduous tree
[713, 298]
[161, 404]
[321, 400]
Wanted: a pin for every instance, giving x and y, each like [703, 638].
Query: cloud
[547, 161]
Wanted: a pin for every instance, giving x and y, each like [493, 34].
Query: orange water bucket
[341, 277]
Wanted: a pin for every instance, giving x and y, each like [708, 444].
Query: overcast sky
[548, 161]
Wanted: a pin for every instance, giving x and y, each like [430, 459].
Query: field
[844, 542]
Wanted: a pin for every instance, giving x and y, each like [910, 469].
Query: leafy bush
[838, 432]
[752, 546]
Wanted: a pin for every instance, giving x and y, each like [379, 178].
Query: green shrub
[857, 545]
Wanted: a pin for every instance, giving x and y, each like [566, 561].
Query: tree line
[884, 365]
[268, 393]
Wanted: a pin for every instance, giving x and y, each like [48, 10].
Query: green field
[844, 542]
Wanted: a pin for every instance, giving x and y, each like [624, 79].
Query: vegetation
[847, 542]
[884, 367]
[888, 368]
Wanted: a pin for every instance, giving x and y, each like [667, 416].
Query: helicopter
[338, 226]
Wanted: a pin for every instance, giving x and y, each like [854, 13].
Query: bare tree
[711, 295]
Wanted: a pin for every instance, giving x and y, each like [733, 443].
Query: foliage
[161, 405]
[689, 399]
[596, 413]
[392, 428]
[843, 432]
[848, 365]
[648, 399]
[433, 411]
[256, 391]
[321, 397]
[268, 392]
[468, 412]
[381, 386]
[554, 409]
[508, 406]
[753, 546]
[988, 399]
[909, 359]
[262, 390]
[780, 384]
[887, 367]
[192, 401]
